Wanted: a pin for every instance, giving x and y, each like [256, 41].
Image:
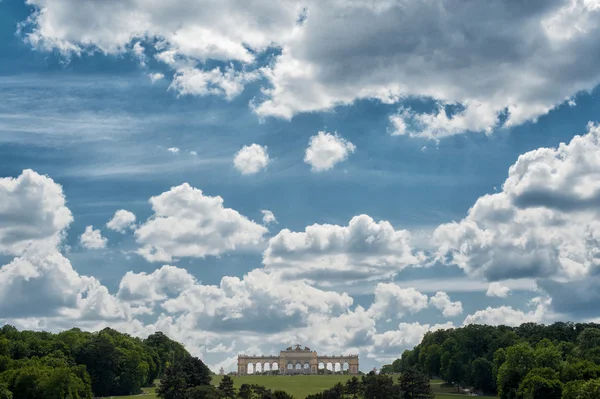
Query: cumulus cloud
[497, 289]
[392, 302]
[121, 221]
[326, 149]
[389, 345]
[259, 301]
[92, 238]
[508, 316]
[173, 150]
[33, 213]
[187, 223]
[442, 301]
[327, 58]
[251, 159]
[363, 250]
[228, 83]
[40, 282]
[268, 217]
[145, 289]
[543, 223]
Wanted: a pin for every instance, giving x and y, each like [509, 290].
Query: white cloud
[33, 214]
[498, 289]
[542, 224]
[144, 289]
[47, 286]
[363, 250]
[442, 301]
[393, 302]
[139, 53]
[228, 83]
[121, 221]
[508, 316]
[173, 150]
[92, 239]
[326, 149]
[389, 345]
[155, 77]
[268, 217]
[187, 223]
[540, 59]
[251, 159]
[260, 301]
[40, 282]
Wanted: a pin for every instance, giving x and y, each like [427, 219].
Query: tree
[582, 390]
[5, 393]
[173, 385]
[540, 383]
[547, 355]
[282, 395]
[245, 392]
[519, 361]
[482, 377]
[181, 375]
[353, 387]
[203, 392]
[374, 386]
[415, 385]
[226, 387]
[589, 339]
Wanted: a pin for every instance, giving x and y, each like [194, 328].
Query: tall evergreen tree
[182, 375]
[415, 385]
[226, 387]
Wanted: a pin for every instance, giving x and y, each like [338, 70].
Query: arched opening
[258, 368]
[298, 367]
[290, 368]
[306, 368]
[266, 368]
[329, 368]
[321, 368]
[250, 368]
[345, 368]
[337, 367]
[275, 368]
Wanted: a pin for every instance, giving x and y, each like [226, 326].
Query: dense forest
[531, 361]
[78, 365]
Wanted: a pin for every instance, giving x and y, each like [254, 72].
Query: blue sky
[365, 138]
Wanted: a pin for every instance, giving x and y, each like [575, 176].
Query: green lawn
[300, 386]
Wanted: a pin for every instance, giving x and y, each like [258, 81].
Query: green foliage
[226, 387]
[415, 385]
[501, 359]
[182, 375]
[582, 390]
[540, 383]
[74, 364]
[5, 393]
[203, 392]
[379, 387]
[482, 376]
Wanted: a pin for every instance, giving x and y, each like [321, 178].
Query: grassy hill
[299, 386]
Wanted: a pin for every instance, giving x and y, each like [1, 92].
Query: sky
[346, 175]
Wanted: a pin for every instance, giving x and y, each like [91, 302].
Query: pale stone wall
[296, 361]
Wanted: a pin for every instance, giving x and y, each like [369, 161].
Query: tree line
[558, 361]
[80, 365]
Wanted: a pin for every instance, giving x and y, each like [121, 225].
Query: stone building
[297, 361]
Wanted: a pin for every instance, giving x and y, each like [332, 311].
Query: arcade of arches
[297, 361]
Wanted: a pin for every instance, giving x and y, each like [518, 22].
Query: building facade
[297, 360]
